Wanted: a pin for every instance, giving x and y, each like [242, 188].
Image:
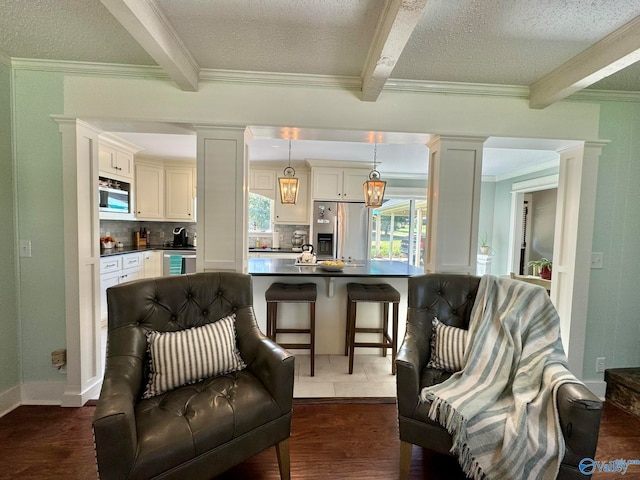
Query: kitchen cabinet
[165, 191]
[149, 192]
[297, 214]
[179, 193]
[338, 184]
[152, 263]
[115, 162]
[262, 180]
[114, 270]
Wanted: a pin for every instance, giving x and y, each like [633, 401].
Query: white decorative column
[82, 260]
[575, 212]
[222, 198]
[453, 204]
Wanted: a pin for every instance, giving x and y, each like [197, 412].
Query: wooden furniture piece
[534, 280]
[292, 293]
[379, 293]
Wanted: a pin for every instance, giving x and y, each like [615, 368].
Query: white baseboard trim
[76, 398]
[9, 400]
[597, 387]
[42, 393]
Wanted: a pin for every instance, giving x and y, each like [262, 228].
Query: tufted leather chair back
[175, 303]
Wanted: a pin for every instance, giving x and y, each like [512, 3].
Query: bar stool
[292, 293]
[378, 293]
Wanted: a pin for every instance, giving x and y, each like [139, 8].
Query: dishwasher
[177, 262]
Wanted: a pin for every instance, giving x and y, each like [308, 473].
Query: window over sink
[260, 213]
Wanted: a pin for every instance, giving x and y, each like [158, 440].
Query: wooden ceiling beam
[396, 25]
[609, 55]
[146, 22]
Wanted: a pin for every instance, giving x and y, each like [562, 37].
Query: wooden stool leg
[347, 334]
[274, 320]
[394, 338]
[385, 325]
[269, 315]
[312, 334]
[352, 334]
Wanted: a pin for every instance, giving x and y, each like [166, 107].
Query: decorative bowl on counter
[107, 245]
[331, 265]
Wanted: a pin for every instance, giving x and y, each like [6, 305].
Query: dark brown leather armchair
[199, 430]
[450, 298]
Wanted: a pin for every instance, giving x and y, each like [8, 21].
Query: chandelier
[288, 184]
[374, 187]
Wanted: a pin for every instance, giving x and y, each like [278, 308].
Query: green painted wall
[9, 324]
[613, 332]
[40, 219]
[613, 321]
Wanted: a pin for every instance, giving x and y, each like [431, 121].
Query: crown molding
[605, 95]
[89, 68]
[286, 79]
[538, 167]
[305, 80]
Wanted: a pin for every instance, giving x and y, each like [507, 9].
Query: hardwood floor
[355, 440]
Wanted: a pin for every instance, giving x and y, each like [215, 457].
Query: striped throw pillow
[188, 356]
[447, 347]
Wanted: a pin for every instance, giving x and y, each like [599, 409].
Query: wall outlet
[600, 364]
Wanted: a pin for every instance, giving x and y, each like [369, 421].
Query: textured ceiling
[500, 42]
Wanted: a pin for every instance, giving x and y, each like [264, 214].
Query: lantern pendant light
[374, 187]
[288, 184]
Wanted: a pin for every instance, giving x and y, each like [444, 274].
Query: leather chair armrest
[272, 364]
[114, 423]
[410, 360]
[579, 412]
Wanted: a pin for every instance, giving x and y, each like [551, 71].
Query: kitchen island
[331, 303]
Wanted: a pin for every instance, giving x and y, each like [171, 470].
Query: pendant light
[374, 187]
[288, 184]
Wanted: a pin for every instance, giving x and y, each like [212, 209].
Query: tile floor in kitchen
[371, 377]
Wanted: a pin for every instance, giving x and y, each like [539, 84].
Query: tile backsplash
[266, 238]
[159, 232]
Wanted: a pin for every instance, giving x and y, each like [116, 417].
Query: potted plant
[485, 249]
[542, 268]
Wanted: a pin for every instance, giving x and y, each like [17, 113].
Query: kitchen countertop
[273, 250]
[364, 268]
[134, 249]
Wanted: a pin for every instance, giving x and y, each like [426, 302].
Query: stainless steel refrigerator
[341, 230]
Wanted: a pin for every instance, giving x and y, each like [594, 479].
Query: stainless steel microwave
[113, 199]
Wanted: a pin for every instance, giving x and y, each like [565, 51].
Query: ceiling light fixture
[374, 187]
[288, 184]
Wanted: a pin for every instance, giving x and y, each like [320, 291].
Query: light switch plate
[25, 248]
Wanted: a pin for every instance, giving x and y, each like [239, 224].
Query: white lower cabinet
[114, 270]
[152, 264]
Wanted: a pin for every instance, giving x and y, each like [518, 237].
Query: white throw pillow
[188, 356]
[447, 347]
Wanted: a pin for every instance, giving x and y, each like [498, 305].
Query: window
[399, 231]
[260, 213]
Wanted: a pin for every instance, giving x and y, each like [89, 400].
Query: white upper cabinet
[297, 214]
[179, 193]
[262, 180]
[165, 190]
[115, 158]
[149, 191]
[338, 184]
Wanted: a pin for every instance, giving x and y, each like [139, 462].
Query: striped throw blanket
[501, 408]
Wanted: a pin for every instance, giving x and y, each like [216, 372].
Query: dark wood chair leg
[284, 464]
[394, 338]
[352, 334]
[385, 326]
[347, 334]
[312, 334]
[405, 459]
